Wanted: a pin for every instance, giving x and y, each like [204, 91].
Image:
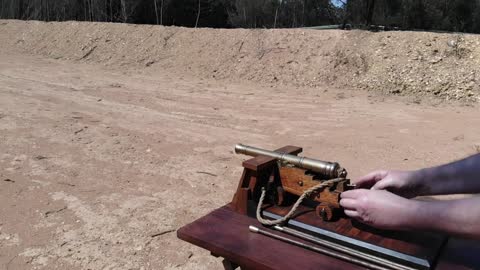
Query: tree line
[446, 15]
[190, 13]
[443, 15]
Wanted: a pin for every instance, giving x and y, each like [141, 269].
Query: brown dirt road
[99, 166]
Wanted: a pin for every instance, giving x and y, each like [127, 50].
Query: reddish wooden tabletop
[225, 233]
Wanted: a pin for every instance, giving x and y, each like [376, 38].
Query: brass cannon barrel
[330, 169]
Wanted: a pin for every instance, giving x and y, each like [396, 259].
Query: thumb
[381, 185]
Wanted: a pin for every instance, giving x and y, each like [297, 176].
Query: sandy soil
[99, 165]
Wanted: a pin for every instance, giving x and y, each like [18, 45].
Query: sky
[337, 3]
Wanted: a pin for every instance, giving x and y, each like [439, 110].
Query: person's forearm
[458, 217]
[458, 177]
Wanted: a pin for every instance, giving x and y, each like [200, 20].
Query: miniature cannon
[270, 182]
[292, 176]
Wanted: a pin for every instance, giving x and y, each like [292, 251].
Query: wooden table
[225, 233]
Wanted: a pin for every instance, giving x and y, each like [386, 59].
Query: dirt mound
[443, 65]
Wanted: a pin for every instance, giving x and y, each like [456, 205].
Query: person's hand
[404, 183]
[378, 208]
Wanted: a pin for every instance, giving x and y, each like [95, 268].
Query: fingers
[353, 194]
[370, 179]
[352, 214]
[349, 204]
[381, 185]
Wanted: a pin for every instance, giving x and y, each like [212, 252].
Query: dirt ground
[101, 164]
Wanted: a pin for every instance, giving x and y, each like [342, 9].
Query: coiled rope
[292, 211]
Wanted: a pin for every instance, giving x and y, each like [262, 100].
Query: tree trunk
[156, 10]
[294, 15]
[245, 16]
[161, 12]
[445, 8]
[88, 11]
[275, 21]
[370, 10]
[48, 10]
[124, 11]
[85, 9]
[198, 14]
[91, 10]
[34, 12]
[303, 12]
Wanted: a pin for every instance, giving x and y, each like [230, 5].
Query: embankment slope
[403, 63]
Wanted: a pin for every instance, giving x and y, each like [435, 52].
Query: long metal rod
[416, 263]
[318, 249]
[346, 250]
